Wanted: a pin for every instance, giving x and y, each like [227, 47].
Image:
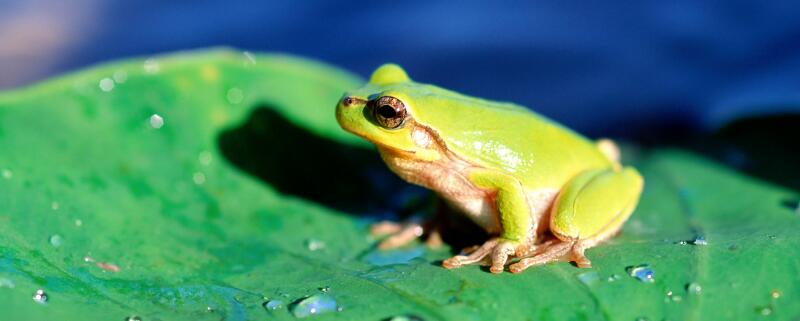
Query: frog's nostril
[352, 101]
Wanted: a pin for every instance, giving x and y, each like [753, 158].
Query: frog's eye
[389, 112]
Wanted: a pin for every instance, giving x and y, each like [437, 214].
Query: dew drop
[199, 178]
[314, 245]
[204, 158]
[78, 223]
[614, 277]
[641, 319]
[133, 318]
[106, 84]
[313, 305]
[641, 272]
[120, 76]
[765, 310]
[55, 206]
[589, 278]
[405, 318]
[699, 240]
[694, 288]
[56, 240]
[775, 293]
[7, 174]
[151, 66]
[88, 259]
[40, 296]
[672, 297]
[272, 305]
[235, 95]
[156, 121]
[7, 283]
[324, 289]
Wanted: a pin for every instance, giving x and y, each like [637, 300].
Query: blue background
[606, 68]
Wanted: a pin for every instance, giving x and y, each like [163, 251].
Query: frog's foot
[495, 252]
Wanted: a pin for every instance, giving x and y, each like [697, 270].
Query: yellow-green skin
[501, 163]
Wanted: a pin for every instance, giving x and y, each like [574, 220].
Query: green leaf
[249, 191]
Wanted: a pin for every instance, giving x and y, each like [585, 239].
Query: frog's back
[510, 138]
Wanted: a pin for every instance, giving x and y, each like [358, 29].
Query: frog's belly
[449, 180]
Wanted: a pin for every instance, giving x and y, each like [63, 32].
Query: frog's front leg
[511, 204]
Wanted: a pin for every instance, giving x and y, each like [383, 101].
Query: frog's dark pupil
[386, 111]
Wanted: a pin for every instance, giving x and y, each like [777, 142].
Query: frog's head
[382, 112]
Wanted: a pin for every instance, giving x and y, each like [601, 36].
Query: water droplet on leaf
[765, 310]
[313, 305]
[106, 84]
[7, 174]
[120, 76]
[151, 66]
[156, 121]
[199, 178]
[55, 206]
[775, 293]
[56, 240]
[235, 95]
[672, 297]
[589, 278]
[273, 305]
[641, 272]
[204, 158]
[40, 296]
[699, 240]
[314, 245]
[133, 318]
[694, 288]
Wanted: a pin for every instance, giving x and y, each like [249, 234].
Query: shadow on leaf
[297, 162]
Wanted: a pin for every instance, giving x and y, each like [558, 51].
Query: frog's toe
[500, 256]
[551, 253]
[405, 235]
[385, 228]
[434, 240]
[477, 256]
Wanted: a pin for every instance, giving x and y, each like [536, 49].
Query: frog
[543, 192]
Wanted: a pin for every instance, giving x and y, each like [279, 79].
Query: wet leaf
[202, 185]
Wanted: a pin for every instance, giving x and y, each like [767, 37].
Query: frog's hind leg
[589, 210]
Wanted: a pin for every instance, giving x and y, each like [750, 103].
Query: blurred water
[604, 67]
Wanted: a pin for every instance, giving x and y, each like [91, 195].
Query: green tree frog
[543, 192]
